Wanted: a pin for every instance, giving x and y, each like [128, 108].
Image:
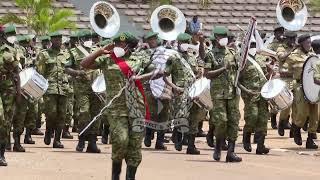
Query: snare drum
[99, 88]
[160, 89]
[33, 84]
[200, 93]
[277, 93]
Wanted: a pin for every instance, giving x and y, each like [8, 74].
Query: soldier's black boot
[8, 145]
[192, 149]
[17, 146]
[247, 141]
[224, 145]
[231, 156]
[274, 121]
[209, 137]
[27, 137]
[116, 170]
[47, 136]
[281, 127]
[81, 144]
[178, 141]
[105, 135]
[160, 141]
[37, 131]
[200, 131]
[66, 134]
[3, 161]
[217, 149]
[131, 173]
[148, 137]
[310, 144]
[92, 145]
[306, 124]
[261, 148]
[57, 136]
[297, 134]
[287, 124]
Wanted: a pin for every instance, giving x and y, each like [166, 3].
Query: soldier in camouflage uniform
[182, 78]
[256, 112]
[9, 88]
[126, 143]
[88, 102]
[301, 109]
[225, 114]
[26, 111]
[283, 51]
[51, 64]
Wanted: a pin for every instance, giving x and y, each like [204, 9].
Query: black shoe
[92, 145]
[310, 144]
[131, 173]
[148, 137]
[116, 170]
[57, 136]
[81, 144]
[217, 149]
[297, 134]
[160, 141]
[37, 131]
[209, 137]
[314, 136]
[306, 124]
[261, 148]
[17, 146]
[27, 138]
[224, 145]
[231, 156]
[247, 141]
[274, 121]
[47, 136]
[66, 134]
[287, 124]
[3, 161]
[191, 145]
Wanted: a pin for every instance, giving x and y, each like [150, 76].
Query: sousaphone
[168, 21]
[104, 19]
[292, 14]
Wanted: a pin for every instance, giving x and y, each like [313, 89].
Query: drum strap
[186, 64]
[251, 60]
[128, 72]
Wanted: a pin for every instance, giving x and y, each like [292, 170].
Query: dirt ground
[285, 161]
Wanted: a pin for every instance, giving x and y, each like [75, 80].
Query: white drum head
[99, 84]
[26, 75]
[272, 88]
[198, 87]
[157, 87]
[310, 89]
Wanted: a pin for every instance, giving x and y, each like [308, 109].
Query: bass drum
[310, 89]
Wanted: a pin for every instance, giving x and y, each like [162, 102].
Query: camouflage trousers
[25, 116]
[301, 110]
[89, 106]
[197, 114]
[225, 117]
[256, 115]
[7, 107]
[70, 104]
[126, 144]
[55, 110]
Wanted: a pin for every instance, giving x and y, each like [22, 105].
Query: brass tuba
[292, 14]
[168, 21]
[104, 19]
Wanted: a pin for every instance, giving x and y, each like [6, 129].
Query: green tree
[40, 17]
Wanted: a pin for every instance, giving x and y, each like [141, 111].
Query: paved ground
[286, 160]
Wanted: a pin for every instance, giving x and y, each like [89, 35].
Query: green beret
[125, 37]
[220, 30]
[74, 34]
[278, 28]
[105, 42]
[44, 38]
[85, 33]
[212, 38]
[24, 38]
[55, 34]
[184, 37]
[10, 29]
[151, 34]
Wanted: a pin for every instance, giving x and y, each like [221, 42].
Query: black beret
[303, 38]
[316, 43]
[290, 34]
[279, 28]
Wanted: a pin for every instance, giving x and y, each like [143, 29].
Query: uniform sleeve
[208, 60]
[101, 61]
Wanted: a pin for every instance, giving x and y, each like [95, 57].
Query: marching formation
[107, 83]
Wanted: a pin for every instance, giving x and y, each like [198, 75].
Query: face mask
[253, 51]
[184, 47]
[223, 42]
[119, 52]
[88, 44]
[11, 39]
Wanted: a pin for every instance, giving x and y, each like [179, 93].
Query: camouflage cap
[183, 37]
[10, 29]
[220, 30]
[125, 37]
[55, 34]
[151, 34]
